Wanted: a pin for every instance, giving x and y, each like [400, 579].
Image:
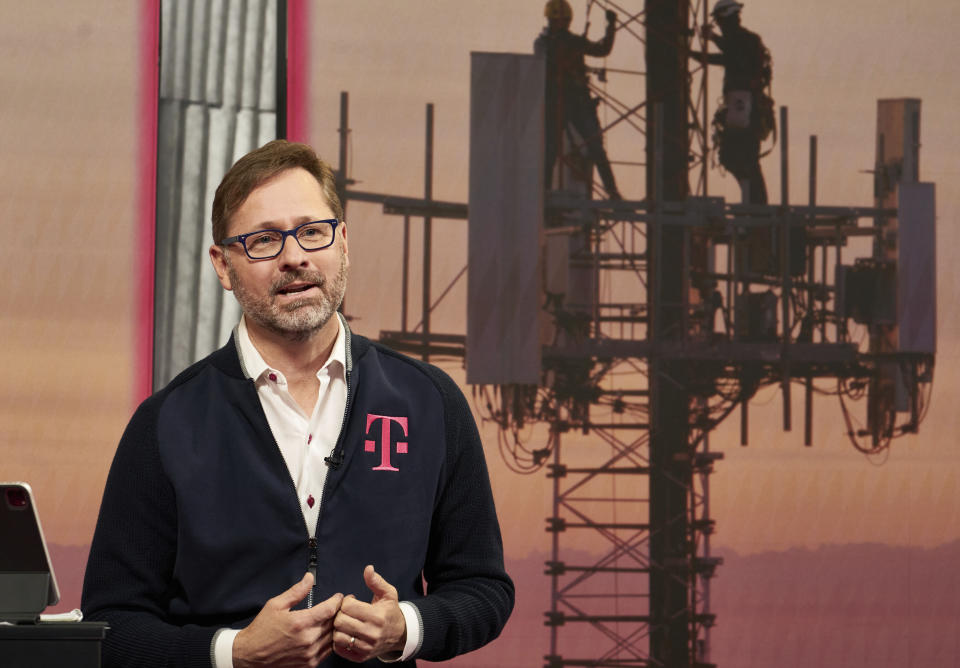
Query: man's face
[296, 293]
[559, 24]
[728, 23]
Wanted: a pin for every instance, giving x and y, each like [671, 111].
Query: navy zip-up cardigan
[200, 522]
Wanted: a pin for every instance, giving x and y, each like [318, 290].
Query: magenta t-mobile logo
[371, 446]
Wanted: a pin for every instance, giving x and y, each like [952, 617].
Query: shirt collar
[256, 367]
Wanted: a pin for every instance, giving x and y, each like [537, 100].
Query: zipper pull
[312, 567]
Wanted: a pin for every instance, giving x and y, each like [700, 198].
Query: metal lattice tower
[656, 320]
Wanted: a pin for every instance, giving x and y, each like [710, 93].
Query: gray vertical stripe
[217, 101]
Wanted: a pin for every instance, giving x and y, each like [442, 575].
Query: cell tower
[629, 330]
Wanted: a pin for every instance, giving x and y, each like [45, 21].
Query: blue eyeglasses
[265, 244]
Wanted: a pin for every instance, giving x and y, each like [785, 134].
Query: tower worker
[302, 496]
[568, 99]
[746, 117]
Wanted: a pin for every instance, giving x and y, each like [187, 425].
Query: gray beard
[298, 320]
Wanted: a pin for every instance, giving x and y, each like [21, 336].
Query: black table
[52, 645]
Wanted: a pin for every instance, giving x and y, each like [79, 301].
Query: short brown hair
[259, 166]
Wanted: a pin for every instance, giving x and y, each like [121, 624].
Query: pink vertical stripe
[146, 210]
[298, 68]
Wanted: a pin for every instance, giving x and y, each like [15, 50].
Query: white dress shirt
[304, 441]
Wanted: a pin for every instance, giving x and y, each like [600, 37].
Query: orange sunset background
[831, 558]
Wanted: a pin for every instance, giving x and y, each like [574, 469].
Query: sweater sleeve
[129, 577]
[469, 594]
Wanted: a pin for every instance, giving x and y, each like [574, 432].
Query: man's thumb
[375, 583]
[296, 593]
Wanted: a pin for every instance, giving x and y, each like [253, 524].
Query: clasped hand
[357, 631]
[363, 631]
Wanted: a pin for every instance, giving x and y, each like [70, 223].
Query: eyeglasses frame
[242, 238]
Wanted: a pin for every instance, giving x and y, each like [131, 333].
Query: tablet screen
[24, 560]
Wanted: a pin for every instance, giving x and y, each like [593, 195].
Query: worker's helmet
[558, 9]
[725, 8]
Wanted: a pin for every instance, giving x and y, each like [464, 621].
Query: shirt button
[309, 439]
[273, 377]
[310, 501]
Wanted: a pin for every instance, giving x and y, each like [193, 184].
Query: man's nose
[292, 254]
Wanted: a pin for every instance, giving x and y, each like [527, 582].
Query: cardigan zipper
[312, 556]
[312, 567]
[312, 543]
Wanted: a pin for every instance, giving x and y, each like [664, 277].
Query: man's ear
[343, 231]
[219, 260]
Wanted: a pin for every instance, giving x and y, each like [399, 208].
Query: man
[568, 99]
[746, 117]
[282, 501]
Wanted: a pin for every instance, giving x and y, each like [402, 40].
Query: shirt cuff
[411, 616]
[222, 650]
